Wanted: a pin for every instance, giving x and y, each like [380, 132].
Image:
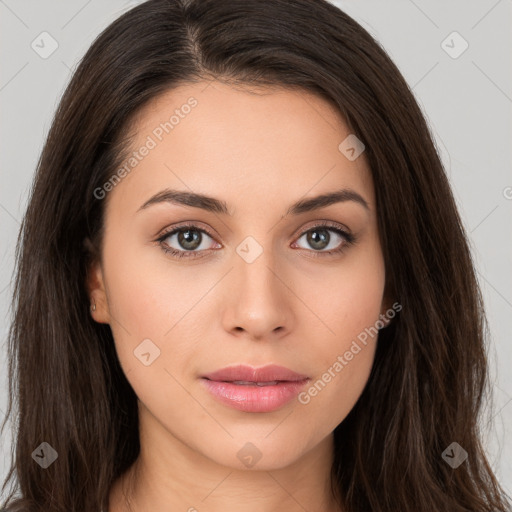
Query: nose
[258, 304]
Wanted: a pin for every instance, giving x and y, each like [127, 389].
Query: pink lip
[251, 397]
[267, 373]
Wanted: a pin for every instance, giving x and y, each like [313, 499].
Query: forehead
[243, 144]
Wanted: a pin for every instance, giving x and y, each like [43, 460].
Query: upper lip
[245, 373]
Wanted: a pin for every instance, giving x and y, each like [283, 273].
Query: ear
[386, 305]
[95, 285]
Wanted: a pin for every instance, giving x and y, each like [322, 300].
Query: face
[257, 274]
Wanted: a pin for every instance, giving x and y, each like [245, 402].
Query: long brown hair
[430, 375]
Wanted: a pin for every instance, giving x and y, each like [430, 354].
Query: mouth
[249, 389]
[245, 383]
[245, 374]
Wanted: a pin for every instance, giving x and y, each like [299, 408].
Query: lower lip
[254, 398]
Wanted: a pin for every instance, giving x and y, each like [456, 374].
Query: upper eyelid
[324, 223]
[174, 229]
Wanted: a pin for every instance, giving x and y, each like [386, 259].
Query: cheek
[348, 306]
[333, 393]
[155, 302]
[143, 295]
[346, 298]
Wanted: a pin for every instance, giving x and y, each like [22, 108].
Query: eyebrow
[211, 204]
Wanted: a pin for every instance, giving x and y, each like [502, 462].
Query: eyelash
[350, 239]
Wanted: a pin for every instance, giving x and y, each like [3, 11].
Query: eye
[327, 238]
[191, 241]
[185, 241]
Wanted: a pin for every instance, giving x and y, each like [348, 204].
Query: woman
[243, 282]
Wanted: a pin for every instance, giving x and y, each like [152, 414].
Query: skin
[259, 151]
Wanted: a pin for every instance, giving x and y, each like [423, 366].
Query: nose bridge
[254, 263]
[258, 298]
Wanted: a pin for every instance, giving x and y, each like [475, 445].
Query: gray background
[467, 101]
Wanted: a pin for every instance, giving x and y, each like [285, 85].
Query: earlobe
[95, 286]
